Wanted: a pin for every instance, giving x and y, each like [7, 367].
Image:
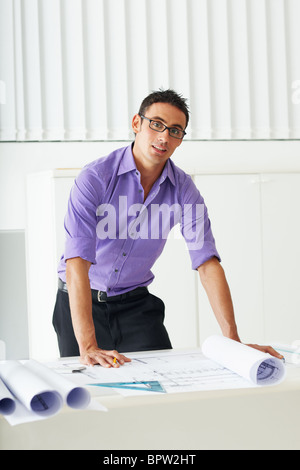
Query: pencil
[115, 360]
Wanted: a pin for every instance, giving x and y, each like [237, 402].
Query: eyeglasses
[160, 127]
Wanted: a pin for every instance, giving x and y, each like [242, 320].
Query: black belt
[101, 296]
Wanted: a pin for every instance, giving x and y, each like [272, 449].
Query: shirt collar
[168, 172]
[127, 164]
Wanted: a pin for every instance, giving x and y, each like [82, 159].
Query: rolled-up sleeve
[80, 220]
[196, 226]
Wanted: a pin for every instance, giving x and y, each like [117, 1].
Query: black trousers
[132, 324]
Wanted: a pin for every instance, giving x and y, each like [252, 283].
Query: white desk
[259, 418]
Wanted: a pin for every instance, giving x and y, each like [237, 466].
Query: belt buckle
[99, 296]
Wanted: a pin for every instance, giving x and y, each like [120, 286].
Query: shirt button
[124, 254]
[116, 270]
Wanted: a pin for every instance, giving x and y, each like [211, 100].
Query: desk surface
[254, 418]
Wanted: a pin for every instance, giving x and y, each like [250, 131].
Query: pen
[78, 369]
[115, 360]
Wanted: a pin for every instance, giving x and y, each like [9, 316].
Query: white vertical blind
[138, 57]
[18, 129]
[7, 101]
[178, 46]
[78, 69]
[293, 64]
[219, 68]
[239, 69]
[51, 69]
[31, 69]
[94, 70]
[73, 69]
[200, 83]
[116, 68]
[158, 46]
[277, 64]
[258, 69]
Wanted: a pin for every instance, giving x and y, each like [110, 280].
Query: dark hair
[165, 96]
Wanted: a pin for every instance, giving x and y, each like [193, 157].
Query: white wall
[17, 160]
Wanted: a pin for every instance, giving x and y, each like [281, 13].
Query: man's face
[152, 147]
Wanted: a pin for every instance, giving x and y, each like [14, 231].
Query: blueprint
[30, 391]
[221, 364]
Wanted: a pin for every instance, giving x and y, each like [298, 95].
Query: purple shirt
[109, 224]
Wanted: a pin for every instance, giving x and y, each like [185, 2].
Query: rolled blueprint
[32, 391]
[258, 367]
[7, 401]
[73, 396]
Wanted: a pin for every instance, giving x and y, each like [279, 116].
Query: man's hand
[266, 349]
[105, 358]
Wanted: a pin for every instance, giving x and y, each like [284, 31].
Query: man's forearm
[81, 303]
[215, 284]
[80, 299]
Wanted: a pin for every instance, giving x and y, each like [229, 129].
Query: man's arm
[214, 281]
[80, 299]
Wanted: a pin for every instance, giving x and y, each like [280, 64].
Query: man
[113, 238]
